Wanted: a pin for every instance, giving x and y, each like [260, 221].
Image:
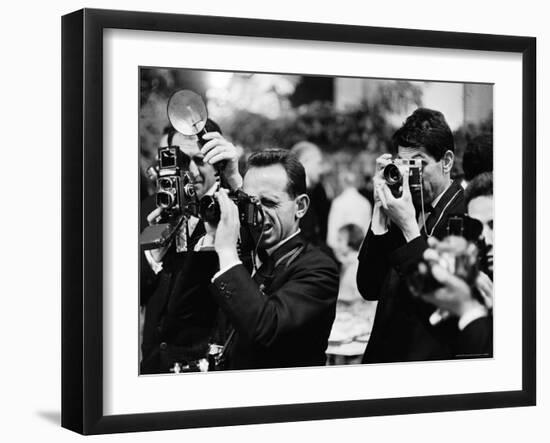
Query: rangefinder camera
[394, 177]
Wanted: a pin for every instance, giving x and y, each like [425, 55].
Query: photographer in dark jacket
[404, 328]
[469, 304]
[282, 314]
[180, 315]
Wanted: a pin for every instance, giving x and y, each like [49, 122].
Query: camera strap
[441, 214]
[290, 256]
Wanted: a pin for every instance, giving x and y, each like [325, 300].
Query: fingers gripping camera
[393, 175]
[457, 256]
[250, 210]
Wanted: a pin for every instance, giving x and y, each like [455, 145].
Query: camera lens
[189, 190]
[209, 209]
[392, 175]
[164, 199]
[165, 183]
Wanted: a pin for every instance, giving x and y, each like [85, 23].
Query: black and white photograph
[290, 219]
[296, 221]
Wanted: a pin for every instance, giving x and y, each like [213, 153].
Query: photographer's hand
[485, 287]
[455, 296]
[218, 149]
[227, 231]
[401, 209]
[380, 220]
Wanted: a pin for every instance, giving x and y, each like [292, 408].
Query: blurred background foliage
[258, 111]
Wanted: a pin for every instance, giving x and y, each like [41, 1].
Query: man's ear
[448, 161]
[302, 204]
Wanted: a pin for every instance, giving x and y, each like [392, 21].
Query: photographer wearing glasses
[282, 314]
[414, 196]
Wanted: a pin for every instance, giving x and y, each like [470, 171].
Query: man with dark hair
[479, 202]
[478, 156]
[282, 315]
[480, 186]
[469, 304]
[474, 313]
[404, 327]
[180, 315]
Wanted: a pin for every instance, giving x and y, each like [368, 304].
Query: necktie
[184, 234]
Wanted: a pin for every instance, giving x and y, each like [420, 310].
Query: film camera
[175, 193]
[464, 254]
[251, 218]
[250, 210]
[175, 190]
[393, 175]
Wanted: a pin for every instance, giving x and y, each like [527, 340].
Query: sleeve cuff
[225, 269]
[472, 315]
[379, 222]
[155, 266]
[204, 244]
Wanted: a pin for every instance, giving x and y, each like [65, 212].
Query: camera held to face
[250, 210]
[393, 175]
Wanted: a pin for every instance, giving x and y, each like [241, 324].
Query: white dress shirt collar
[282, 242]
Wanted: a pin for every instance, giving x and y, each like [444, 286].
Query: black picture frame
[82, 218]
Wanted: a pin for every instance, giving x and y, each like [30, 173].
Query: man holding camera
[283, 313]
[454, 296]
[180, 315]
[471, 304]
[405, 215]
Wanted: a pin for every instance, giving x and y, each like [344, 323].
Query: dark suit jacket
[147, 278]
[286, 321]
[401, 330]
[314, 224]
[181, 313]
[476, 339]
